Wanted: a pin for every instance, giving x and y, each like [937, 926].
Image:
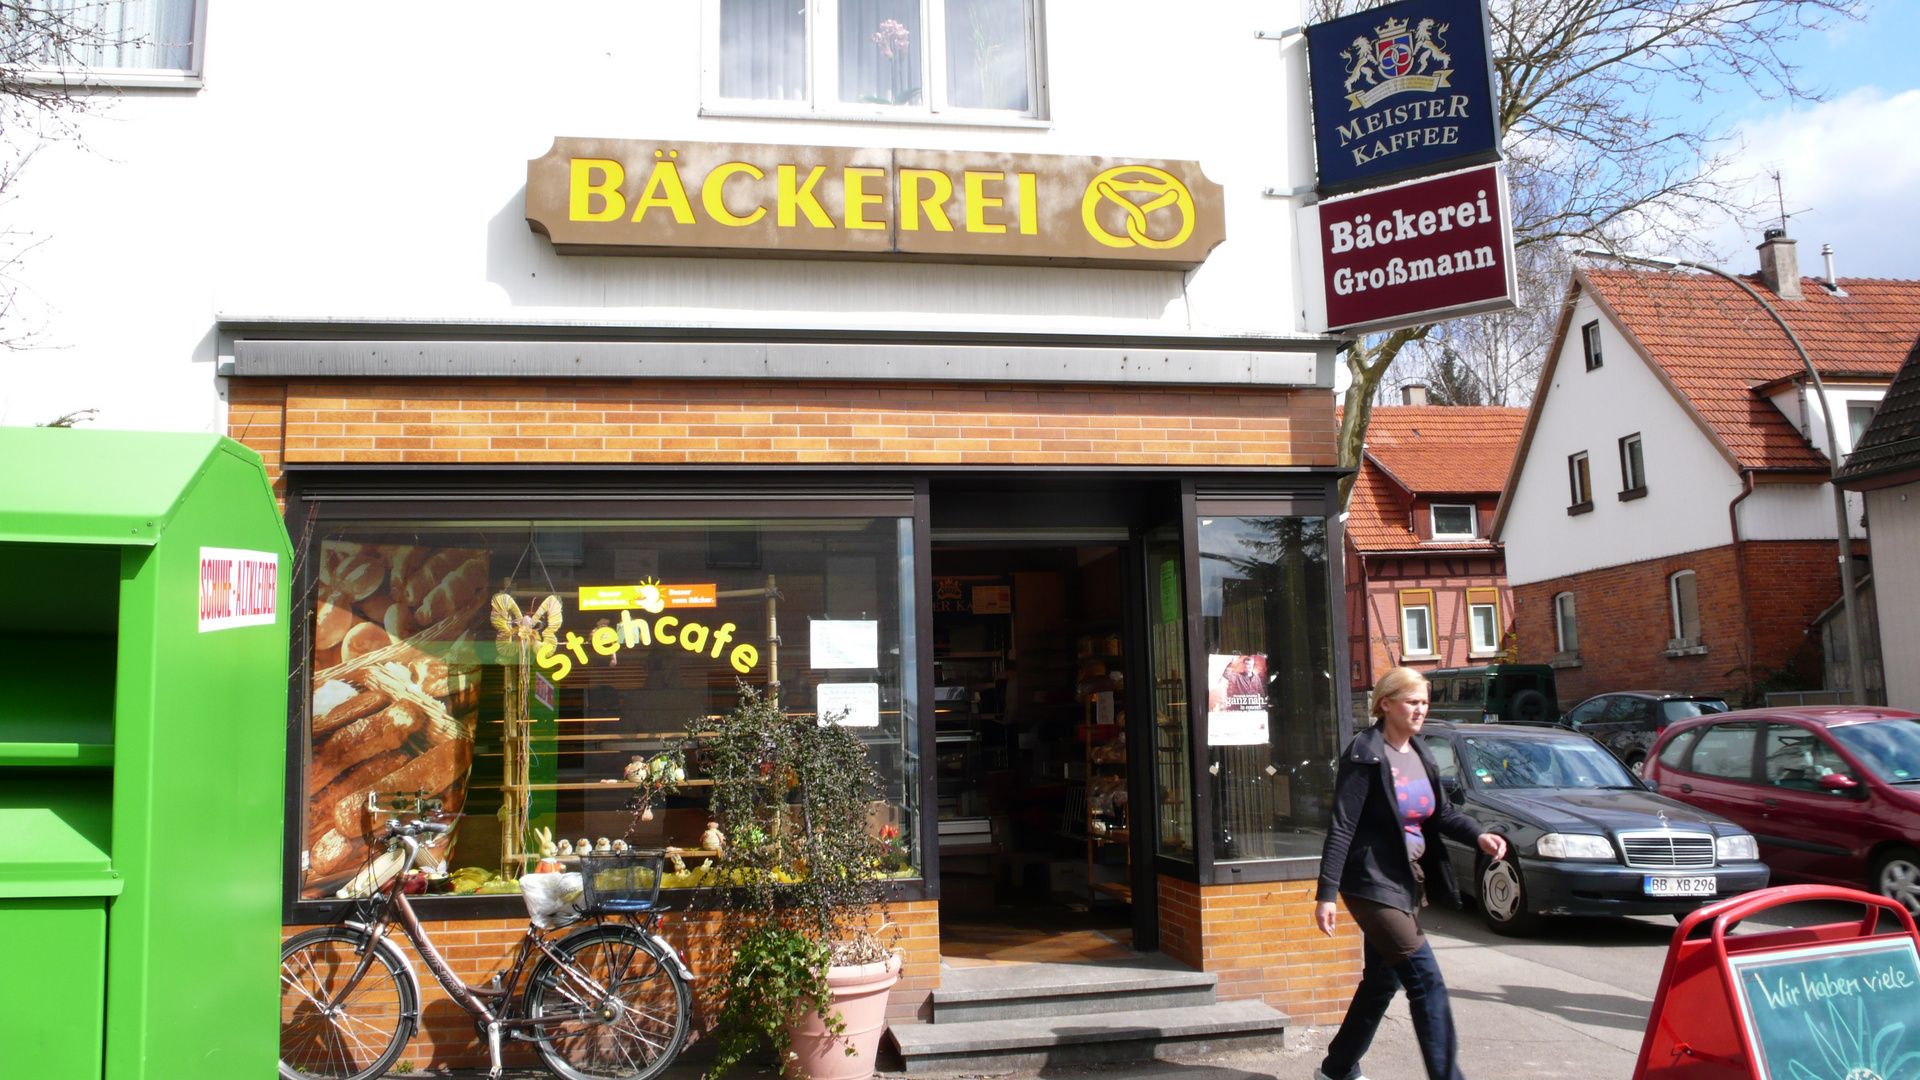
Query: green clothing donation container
[143, 720]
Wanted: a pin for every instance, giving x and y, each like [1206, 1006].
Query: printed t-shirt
[1413, 796]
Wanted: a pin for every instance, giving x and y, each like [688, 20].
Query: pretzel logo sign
[1120, 186]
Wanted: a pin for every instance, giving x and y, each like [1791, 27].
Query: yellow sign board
[647, 596]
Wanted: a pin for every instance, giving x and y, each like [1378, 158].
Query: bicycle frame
[397, 909]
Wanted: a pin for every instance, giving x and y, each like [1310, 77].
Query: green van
[1494, 693]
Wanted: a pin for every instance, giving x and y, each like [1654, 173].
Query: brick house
[1426, 587]
[699, 297]
[1668, 523]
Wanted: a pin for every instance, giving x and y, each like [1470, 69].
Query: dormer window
[1454, 522]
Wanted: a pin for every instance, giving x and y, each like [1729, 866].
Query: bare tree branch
[1592, 158]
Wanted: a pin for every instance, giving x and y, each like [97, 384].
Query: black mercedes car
[1584, 837]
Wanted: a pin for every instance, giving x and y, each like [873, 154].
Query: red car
[1832, 793]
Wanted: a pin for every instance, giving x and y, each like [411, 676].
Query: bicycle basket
[625, 881]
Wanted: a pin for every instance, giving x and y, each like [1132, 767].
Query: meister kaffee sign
[1418, 252]
[1401, 91]
[633, 197]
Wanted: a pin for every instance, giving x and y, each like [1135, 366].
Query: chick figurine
[636, 770]
[603, 846]
[583, 846]
[713, 839]
[565, 849]
[619, 847]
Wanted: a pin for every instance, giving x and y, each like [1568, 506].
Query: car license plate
[1657, 885]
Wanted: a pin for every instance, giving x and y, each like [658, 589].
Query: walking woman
[1383, 852]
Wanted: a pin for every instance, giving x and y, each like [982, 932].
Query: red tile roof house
[1668, 523]
[1425, 587]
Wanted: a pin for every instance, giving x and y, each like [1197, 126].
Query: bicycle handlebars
[415, 828]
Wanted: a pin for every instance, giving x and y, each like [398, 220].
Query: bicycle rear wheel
[615, 1010]
[329, 1034]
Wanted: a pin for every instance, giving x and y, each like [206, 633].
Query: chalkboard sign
[1842, 1011]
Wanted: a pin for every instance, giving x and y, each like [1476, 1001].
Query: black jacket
[1366, 850]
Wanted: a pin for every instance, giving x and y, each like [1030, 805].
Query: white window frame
[1473, 521]
[1590, 345]
[822, 50]
[1853, 439]
[1580, 478]
[1566, 613]
[1628, 444]
[1491, 645]
[1673, 605]
[187, 78]
[1407, 650]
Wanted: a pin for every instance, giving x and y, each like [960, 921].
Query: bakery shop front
[1071, 584]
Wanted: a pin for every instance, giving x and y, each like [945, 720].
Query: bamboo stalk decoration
[518, 637]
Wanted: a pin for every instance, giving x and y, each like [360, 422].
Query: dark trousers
[1386, 973]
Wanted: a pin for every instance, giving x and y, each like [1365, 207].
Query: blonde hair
[1397, 681]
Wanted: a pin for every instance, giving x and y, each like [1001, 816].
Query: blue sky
[1851, 164]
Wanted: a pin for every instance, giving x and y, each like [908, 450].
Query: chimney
[1826, 252]
[1779, 266]
[1413, 394]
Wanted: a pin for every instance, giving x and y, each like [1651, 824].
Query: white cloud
[1852, 167]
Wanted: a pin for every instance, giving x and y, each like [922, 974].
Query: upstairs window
[1633, 468]
[1590, 343]
[1580, 483]
[113, 42]
[1859, 415]
[874, 58]
[1454, 522]
[1483, 621]
[1416, 623]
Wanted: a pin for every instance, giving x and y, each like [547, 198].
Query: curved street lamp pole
[1855, 667]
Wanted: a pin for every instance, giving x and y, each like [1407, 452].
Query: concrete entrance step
[1168, 1034]
[1023, 991]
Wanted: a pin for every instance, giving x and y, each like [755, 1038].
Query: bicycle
[605, 1001]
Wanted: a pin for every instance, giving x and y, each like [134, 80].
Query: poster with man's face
[1237, 699]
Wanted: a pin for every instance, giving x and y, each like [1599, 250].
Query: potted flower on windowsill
[806, 871]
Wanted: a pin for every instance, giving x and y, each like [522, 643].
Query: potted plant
[804, 872]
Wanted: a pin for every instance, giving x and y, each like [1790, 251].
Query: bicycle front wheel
[329, 1031]
[614, 1010]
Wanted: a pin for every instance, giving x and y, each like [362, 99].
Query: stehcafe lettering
[632, 197]
[1420, 251]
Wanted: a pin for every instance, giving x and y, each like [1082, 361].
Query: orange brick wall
[1260, 939]
[675, 422]
[477, 949]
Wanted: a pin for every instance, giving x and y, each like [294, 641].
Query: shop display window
[512, 673]
[1167, 652]
[1272, 731]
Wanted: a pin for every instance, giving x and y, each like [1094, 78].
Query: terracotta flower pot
[860, 997]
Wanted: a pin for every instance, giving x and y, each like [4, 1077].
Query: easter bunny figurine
[549, 854]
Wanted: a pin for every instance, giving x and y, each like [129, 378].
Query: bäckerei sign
[1401, 91]
[1418, 252]
[630, 197]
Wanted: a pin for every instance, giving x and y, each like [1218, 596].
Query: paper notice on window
[844, 643]
[993, 599]
[1237, 699]
[859, 701]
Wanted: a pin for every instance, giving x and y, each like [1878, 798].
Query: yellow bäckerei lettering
[610, 639]
[912, 202]
[664, 189]
[713, 194]
[581, 191]
[1029, 203]
[978, 202]
[801, 196]
[854, 183]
